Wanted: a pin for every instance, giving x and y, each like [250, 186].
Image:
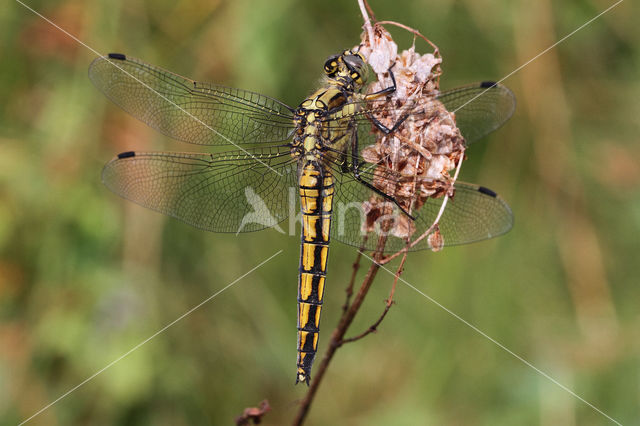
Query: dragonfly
[314, 148]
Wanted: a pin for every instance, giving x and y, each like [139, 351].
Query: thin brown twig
[370, 11]
[397, 277]
[388, 303]
[436, 51]
[372, 329]
[356, 268]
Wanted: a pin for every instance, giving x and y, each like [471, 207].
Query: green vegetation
[85, 276]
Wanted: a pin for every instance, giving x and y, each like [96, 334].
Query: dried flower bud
[436, 242]
[382, 51]
[403, 227]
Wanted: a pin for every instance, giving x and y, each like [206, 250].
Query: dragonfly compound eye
[357, 67]
[331, 66]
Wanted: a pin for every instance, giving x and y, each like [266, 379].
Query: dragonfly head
[348, 70]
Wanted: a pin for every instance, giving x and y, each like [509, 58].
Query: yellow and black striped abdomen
[316, 197]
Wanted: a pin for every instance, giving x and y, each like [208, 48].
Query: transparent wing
[227, 192]
[474, 214]
[190, 111]
[480, 108]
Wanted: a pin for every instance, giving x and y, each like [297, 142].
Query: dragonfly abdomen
[316, 199]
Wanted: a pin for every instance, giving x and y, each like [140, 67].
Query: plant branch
[414, 32]
[364, 6]
[388, 303]
[356, 268]
[372, 329]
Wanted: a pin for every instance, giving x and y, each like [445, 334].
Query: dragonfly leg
[386, 90]
[356, 175]
[384, 129]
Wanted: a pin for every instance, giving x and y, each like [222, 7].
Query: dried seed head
[413, 163]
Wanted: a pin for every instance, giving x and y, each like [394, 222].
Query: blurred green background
[85, 276]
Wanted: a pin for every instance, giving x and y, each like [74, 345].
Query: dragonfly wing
[474, 214]
[190, 111]
[480, 108]
[227, 192]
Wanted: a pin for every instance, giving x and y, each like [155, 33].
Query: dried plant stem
[356, 268]
[388, 303]
[368, 6]
[372, 329]
[364, 7]
[414, 32]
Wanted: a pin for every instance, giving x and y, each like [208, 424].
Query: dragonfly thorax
[316, 124]
[346, 75]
